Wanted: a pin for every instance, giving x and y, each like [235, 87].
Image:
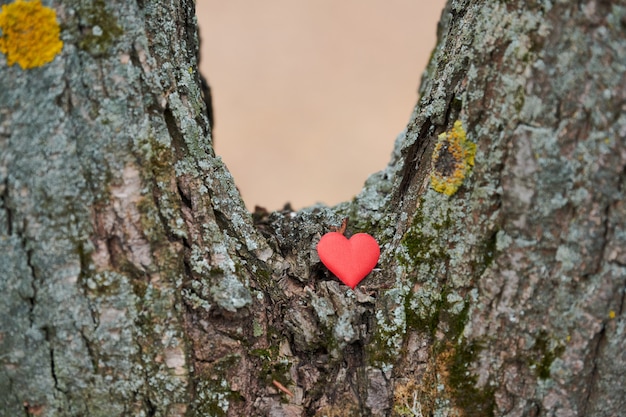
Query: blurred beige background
[309, 96]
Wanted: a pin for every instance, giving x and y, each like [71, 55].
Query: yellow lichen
[452, 160]
[30, 33]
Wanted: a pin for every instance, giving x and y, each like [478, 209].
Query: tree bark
[134, 282]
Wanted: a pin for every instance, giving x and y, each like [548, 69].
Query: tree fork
[134, 282]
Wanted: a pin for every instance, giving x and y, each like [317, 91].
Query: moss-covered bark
[134, 282]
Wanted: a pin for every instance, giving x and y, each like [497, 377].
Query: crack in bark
[5, 200]
[411, 159]
[151, 409]
[48, 338]
[601, 338]
[178, 141]
[184, 197]
[90, 351]
[622, 302]
[600, 259]
[20, 232]
[594, 375]
[29, 263]
[31, 300]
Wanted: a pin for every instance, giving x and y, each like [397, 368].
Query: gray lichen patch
[339, 313]
[230, 294]
[386, 341]
[295, 237]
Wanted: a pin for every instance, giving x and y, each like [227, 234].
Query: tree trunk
[134, 282]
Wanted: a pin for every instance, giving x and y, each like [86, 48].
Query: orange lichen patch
[30, 33]
[452, 160]
[411, 398]
[418, 395]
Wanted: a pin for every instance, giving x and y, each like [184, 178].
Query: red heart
[350, 260]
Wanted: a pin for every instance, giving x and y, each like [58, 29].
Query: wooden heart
[350, 260]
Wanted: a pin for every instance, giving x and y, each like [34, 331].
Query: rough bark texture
[134, 282]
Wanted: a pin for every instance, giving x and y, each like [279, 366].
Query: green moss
[456, 322]
[266, 355]
[377, 349]
[226, 363]
[422, 247]
[387, 339]
[426, 323]
[105, 283]
[487, 252]
[263, 276]
[518, 103]
[215, 397]
[139, 288]
[214, 393]
[543, 354]
[439, 302]
[475, 402]
[441, 312]
[99, 28]
[270, 365]
[216, 272]
[425, 250]
[329, 341]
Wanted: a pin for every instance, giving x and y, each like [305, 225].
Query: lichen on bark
[137, 283]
